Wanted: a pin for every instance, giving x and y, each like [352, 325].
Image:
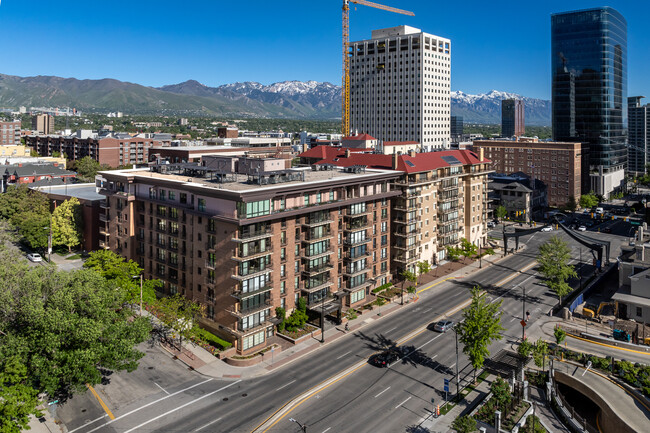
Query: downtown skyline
[254, 41]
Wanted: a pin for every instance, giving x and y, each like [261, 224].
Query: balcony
[316, 254]
[407, 247]
[354, 272]
[104, 231]
[407, 219]
[357, 257]
[243, 295]
[252, 272]
[252, 235]
[104, 245]
[314, 222]
[357, 214]
[250, 330]
[105, 217]
[104, 205]
[405, 232]
[237, 312]
[352, 242]
[315, 270]
[319, 286]
[366, 283]
[252, 253]
[442, 186]
[356, 224]
[317, 236]
[401, 258]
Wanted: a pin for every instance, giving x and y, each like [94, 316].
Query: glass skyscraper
[589, 79]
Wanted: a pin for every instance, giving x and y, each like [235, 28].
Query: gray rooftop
[83, 191]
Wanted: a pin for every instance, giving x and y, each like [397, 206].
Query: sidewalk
[208, 365]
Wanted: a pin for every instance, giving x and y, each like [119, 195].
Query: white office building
[400, 83]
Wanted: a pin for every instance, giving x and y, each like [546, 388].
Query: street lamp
[455, 328]
[303, 427]
[140, 276]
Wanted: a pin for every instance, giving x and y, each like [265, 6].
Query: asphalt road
[367, 399]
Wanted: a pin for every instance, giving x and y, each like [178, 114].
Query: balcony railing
[247, 236]
[314, 254]
[243, 295]
[351, 242]
[313, 222]
[252, 252]
[252, 271]
[315, 270]
[319, 286]
[240, 313]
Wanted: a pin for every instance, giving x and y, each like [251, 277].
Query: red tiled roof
[421, 161]
[361, 137]
[399, 143]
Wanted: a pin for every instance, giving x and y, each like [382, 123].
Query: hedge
[212, 339]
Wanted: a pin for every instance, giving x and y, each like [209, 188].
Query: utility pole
[480, 256]
[581, 268]
[523, 317]
[141, 294]
[457, 377]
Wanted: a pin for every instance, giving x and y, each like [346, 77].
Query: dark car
[386, 358]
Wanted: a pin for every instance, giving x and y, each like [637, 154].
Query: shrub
[382, 287]
[302, 304]
[501, 393]
[533, 421]
[464, 424]
[379, 301]
[351, 314]
[210, 338]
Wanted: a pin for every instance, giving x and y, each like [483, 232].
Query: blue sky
[503, 45]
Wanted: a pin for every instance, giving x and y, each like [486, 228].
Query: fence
[568, 412]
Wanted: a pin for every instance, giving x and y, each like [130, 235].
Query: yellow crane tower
[345, 103]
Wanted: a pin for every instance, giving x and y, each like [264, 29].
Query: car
[547, 229]
[607, 230]
[34, 257]
[386, 358]
[582, 228]
[443, 325]
[491, 224]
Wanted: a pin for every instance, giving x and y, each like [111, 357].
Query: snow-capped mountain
[486, 107]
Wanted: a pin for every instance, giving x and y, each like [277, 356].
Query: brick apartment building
[442, 199]
[243, 236]
[113, 149]
[563, 167]
[10, 133]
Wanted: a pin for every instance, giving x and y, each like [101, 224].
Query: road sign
[523, 323]
[446, 385]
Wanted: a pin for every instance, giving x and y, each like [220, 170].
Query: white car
[547, 229]
[582, 228]
[35, 257]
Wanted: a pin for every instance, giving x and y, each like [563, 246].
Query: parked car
[547, 229]
[491, 224]
[34, 257]
[386, 358]
[443, 325]
[582, 228]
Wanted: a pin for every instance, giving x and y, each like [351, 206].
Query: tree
[560, 335]
[553, 260]
[500, 212]
[120, 273]
[423, 268]
[87, 168]
[525, 348]
[453, 253]
[501, 393]
[66, 328]
[67, 221]
[571, 204]
[179, 313]
[29, 212]
[407, 276]
[467, 249]
[539, 352]
[464, 424]
[588, 201]
[18, 400]
[481, 326]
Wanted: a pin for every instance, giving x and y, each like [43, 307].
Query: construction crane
[345, 103]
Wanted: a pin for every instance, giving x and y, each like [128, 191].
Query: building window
[253, 209]
[296, 283]
[283, 270]
[357, 296]
[172, 195]
[639, 312]
[252, 340]
[201, 205]
[283, 287]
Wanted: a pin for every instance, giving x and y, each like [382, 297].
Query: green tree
[29, 212]
[560, 334]
[10, 201]
[67, 224]
[481, 326]
[120, 273]
[553, 260]
[407, 276]
[464, 424]
[588, 201]
[540, 350]
[423, 268]
[453, 253]
[571, 204]
[18, 400]
[501, 393]
[87, 168]
[524, 349]
[180, 314]
[66, 328]
[467, 249]
[500, 212]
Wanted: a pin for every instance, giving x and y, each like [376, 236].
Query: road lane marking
[208, 424]
[382, 392]
[88, 423]
[327, 429]
[101, 402]
[181, 407]
[163, 389]
[398, 404]
[606, 345]
[452, 365]
[516, 285]
[285, 385]
[391, 329]
[341, 355]
[435, 284]
[427, 310]
[516, 273]
[149, 404]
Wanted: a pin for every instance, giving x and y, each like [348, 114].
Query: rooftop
[83, 191]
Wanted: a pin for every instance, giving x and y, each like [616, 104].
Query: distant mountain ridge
[286, 99]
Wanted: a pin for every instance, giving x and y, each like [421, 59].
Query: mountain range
[287, 99]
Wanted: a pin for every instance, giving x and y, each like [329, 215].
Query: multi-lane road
[334, 388]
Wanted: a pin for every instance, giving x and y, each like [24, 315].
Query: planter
[315, 332]
[253, 359]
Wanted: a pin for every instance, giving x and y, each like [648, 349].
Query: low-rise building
[243, 237]
[30, 173]
[633, 295]
[563, 167]
[521, 196]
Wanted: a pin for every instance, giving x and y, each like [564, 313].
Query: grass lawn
[74, 257]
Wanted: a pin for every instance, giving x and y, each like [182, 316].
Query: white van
[599, 210]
